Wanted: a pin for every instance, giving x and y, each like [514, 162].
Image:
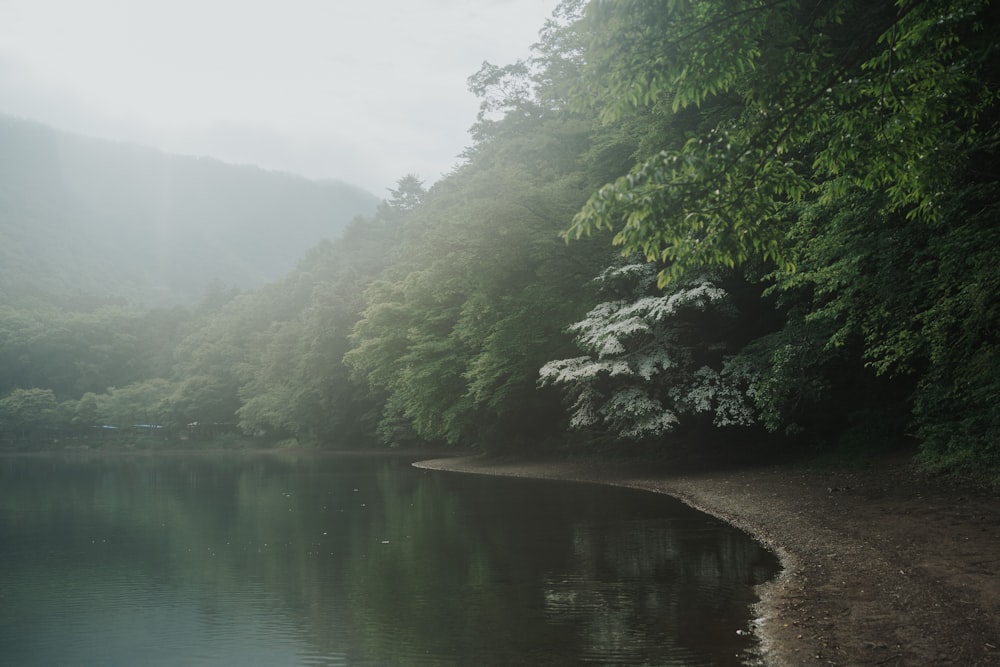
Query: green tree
[482, 288]
[793, 100]
[844, 153]
[141, 403]
[407, 194]
[26, 412]
[86, 412]
[210, 360]
[294, 382]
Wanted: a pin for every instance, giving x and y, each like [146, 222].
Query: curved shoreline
[877, 570]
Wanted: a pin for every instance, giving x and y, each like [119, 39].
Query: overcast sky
[364, 91]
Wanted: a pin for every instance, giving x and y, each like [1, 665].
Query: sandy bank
[878, 569]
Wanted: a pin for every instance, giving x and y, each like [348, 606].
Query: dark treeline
[682, 228]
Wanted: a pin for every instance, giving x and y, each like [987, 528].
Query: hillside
[83, 218]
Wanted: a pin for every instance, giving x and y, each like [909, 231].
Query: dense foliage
[803, 196]
[845, 152]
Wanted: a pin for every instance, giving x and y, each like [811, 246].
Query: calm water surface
[326, 560]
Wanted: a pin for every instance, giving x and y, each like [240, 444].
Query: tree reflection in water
[356, 560]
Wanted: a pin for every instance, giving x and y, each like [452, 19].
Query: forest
[693, 231]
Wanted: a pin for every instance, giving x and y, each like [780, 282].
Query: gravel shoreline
[878, 569]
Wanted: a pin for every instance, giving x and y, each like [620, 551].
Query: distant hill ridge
[92, 218]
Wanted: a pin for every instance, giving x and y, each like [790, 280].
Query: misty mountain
[84, 218]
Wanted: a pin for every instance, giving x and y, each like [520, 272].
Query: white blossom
[636, 378]
[656, 360]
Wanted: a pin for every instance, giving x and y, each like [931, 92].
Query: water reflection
[357, 561]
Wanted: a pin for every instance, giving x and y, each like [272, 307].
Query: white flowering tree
[651, 358]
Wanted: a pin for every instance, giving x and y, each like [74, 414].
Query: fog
[361, 92]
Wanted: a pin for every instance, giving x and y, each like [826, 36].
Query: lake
[291, 559]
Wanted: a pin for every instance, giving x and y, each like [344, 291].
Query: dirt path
[878, 569]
